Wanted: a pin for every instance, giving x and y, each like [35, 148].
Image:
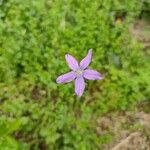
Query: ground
[130, 129]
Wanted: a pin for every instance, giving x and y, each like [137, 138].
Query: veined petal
[79, 86]
[72, 62]
[86, 61]
[65, 78]
[92, 74]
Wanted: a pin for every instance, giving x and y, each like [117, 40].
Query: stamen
[79, 72]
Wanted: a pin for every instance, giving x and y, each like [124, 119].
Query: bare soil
[130, 130]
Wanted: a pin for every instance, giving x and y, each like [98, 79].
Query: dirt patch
[144, 119]
[135, 141]
[130, 130]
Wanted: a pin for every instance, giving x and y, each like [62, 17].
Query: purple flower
[79, 73]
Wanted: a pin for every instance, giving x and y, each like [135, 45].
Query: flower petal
[72, 62]
[86, 61]
[65, 78]
[92, 74]
[79, 86]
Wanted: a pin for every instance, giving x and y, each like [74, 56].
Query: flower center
[79, 72]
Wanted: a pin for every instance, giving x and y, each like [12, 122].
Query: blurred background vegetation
[35, 35]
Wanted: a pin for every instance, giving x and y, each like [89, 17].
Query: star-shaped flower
[79, 73]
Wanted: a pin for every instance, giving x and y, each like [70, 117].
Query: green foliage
[7, 127]
[36, 113]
